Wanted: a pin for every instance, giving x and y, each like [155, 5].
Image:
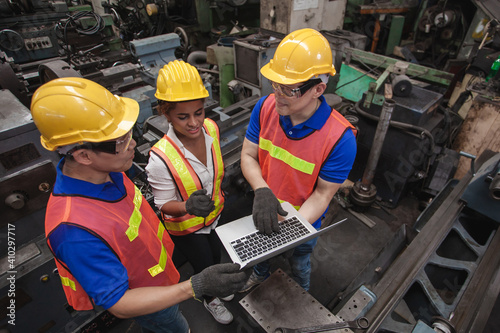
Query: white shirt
[162, 183]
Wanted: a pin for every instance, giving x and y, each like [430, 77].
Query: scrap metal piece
[478, 194]
[357, 305]
[280, 302]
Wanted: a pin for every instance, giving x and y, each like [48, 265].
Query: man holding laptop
[297, 148]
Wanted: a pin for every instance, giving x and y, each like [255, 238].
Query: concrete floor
[338, 258]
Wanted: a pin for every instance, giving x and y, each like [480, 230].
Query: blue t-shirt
[338, 165]
[91, 262]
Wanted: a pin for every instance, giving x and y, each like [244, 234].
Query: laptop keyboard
[255, 244]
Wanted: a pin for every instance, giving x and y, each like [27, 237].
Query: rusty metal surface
[280, 302]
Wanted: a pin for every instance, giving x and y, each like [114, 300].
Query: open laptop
[247, 247]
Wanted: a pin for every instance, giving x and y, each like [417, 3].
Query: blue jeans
[169, 320]
[300, 263]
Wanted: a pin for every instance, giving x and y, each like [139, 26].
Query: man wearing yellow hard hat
[110, 248]
[297, 148]
[185, 171]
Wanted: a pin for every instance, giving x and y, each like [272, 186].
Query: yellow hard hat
[74, 110]
[179, 81]
[301, 55]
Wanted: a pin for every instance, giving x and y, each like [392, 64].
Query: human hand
[219, 280]
[266, 208]
[200, 204]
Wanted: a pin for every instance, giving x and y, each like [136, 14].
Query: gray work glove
[219, 280]
[266, 208]
[200, 204]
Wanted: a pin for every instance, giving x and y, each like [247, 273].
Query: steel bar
[421, 72]
[378, 142]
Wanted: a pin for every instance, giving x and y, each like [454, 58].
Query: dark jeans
[300, 263]
[169, 320]
[201, 250]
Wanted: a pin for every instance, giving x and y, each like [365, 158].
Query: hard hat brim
[129, 118]
[269, 74]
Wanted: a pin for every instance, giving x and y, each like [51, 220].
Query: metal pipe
[378, 141]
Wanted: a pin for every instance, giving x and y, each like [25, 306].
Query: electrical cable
[420, 131]
[404, 126]
[72, 21]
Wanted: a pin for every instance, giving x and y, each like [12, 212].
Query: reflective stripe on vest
[187, 180]
[160, 267]
[67, 282]
[286, 157]
[134, 233]
[136, 217]
[291, 166]
[213, 131]
[184, 175]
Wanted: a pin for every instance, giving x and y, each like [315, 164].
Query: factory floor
[338, 258]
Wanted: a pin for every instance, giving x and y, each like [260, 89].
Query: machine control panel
[38, 43]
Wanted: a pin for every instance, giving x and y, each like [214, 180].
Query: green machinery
[400, 70]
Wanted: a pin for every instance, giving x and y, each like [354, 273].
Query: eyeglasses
[122, 144]
[110, 147]
[291, 92]
[113, 147]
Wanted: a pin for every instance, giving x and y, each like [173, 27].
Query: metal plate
[16, 118]
[280, 302]
[477, 194]
[34, 183]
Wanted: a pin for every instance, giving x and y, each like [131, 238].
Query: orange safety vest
[129, 227]
[291, 166]
[187, 181]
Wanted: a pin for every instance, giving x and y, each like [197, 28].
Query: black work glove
[265, 211]
[199, 203]
[219, 280]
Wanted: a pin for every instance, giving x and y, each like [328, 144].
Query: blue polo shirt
[91, 262]
[338, 165]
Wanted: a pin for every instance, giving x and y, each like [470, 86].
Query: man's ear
[82, 156]
[319, 89]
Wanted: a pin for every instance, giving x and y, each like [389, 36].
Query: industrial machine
[438, 275]
[446, 278]
[417, 135]
[250, 54]
[287, 16]
[27, 29]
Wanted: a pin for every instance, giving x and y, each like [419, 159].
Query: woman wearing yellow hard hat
[185, 171]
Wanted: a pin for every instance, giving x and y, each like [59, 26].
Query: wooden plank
[480, 131]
